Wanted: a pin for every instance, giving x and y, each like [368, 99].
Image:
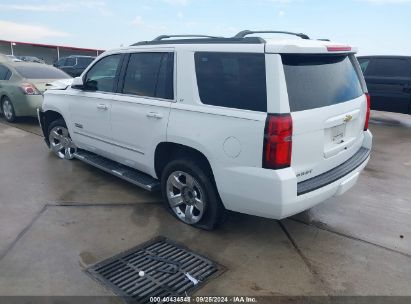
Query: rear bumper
[335, 174]
[27, 105]
[276, 193]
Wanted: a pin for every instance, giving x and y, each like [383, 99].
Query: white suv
[264, 127]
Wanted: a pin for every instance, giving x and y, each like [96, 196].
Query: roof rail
[203, 40]
[162, 37]
[242, 34]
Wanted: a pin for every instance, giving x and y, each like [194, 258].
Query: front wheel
[190, 194]
[60, 140]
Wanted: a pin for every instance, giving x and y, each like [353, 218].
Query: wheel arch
[46, 118]
[167, 151]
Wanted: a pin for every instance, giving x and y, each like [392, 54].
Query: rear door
[141, 107]
[328, 108]
[388, 82]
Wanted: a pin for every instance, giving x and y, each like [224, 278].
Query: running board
[129, 174]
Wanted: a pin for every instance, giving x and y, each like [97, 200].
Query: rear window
[315, 81]
[70, 62]
[232, 80]
[41, 71]
[84, 61]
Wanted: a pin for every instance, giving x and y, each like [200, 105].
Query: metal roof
[52, 46]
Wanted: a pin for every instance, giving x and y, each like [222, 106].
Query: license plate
[338, 133]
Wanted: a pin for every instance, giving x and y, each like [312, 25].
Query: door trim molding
[110, 143]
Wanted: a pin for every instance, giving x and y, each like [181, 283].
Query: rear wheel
[8, 110]
[190, 194]
[60, 140]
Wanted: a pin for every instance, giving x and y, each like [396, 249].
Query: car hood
[51, 84]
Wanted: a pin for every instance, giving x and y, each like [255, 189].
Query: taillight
[29, 89]
[367, 113]
[277, 141]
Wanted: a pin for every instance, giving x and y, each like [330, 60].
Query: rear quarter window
[315, 81]
[232, 80]
[3, 72]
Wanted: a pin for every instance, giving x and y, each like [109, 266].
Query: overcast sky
[375, 26]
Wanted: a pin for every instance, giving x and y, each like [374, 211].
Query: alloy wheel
[185, 197]
[61, 143]
[8, 109]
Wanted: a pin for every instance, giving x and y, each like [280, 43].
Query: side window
[70, 62]
[102, 75]
[364, 64]
[233, 80]
[389, 67]
[150, 75]
[8, 75]
[3, 72]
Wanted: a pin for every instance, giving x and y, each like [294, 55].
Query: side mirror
[77, 83]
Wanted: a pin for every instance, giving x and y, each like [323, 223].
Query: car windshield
[41, 72]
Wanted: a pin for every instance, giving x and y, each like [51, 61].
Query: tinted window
[150, 74]
[364, 64]
[8, 75]
[389, 67]
[232, 80]
[40, 71]
[84, 61]
[102, 75]
[70, 62]
[315, 81]
[3, 72]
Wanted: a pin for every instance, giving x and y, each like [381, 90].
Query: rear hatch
[328, 109]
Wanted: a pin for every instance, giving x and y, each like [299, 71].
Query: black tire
[11, 116]
[214, 210]
[60, 124]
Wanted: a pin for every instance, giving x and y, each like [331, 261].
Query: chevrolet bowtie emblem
[347, 118]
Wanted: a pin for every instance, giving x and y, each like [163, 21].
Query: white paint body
[128, 129]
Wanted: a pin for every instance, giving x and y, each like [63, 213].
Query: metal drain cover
[159, 268]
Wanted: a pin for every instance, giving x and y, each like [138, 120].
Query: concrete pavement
[59, 217]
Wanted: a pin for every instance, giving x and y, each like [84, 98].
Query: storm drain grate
[159, 268]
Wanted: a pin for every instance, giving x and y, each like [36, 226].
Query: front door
[90, 108]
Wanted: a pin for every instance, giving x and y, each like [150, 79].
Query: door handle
[102, 107]
[154, 115]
